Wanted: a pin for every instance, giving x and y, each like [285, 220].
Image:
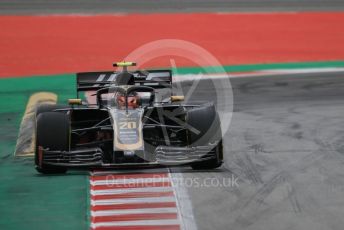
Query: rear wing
[90, 81]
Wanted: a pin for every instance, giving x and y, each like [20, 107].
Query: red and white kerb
[139, 201]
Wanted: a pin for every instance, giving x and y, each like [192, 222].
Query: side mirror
[75, 101]
[177, 98]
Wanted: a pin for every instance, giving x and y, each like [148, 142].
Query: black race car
[134, 121]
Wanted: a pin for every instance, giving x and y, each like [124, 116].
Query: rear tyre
[52, 131]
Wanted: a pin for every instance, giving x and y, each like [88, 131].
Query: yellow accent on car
[177, 98]
[74, 101]
[124, 64]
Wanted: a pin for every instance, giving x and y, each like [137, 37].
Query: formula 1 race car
[134, 121]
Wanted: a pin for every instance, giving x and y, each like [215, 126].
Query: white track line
[136, 223]
[306, 70]
[260, 73]
[134, 211]
[95, 192]
[133, 200]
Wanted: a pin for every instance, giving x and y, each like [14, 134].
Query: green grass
[29, 200]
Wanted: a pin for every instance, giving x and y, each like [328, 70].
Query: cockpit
[126, 97]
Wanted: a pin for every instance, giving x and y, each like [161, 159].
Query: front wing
[92, 157]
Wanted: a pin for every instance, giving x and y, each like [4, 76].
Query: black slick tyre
[52, 131]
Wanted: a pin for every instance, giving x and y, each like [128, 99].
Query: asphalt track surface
[285, 144]
[120, 6]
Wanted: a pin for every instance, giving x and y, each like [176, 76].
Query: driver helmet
[133, 101]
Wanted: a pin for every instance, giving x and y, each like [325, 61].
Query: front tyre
[52, 132]
[206, 120]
